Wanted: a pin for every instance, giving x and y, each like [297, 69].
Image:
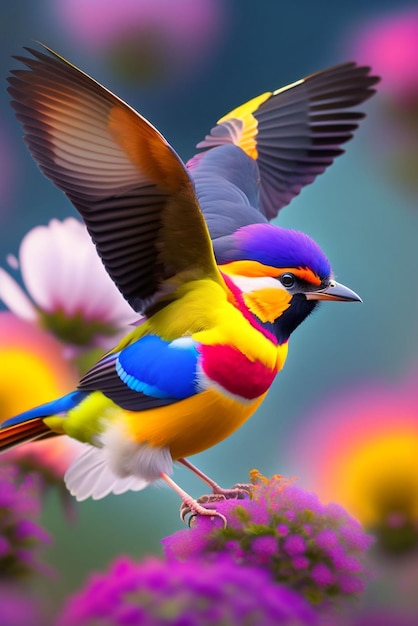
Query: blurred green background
[363, 218]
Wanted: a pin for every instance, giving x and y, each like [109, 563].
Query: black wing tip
[33, 52]
[367, 70]
[35, 58]
[353, 69]
[30, 61]
[352, 66]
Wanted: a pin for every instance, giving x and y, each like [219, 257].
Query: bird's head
[281, 273]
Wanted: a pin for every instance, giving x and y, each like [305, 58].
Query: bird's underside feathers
[90, 476]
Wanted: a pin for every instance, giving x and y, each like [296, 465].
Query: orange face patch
[268, 303]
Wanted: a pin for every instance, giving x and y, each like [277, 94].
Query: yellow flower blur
[33, 369]
[361, 450]
[377, 478]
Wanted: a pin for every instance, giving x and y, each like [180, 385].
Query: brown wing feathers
[118, 171]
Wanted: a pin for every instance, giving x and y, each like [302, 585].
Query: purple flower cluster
[313, 548]
[20, 535]
[193, 593]
[18, 609]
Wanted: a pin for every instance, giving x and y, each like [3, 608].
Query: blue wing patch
[158, 368]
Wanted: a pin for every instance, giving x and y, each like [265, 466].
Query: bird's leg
[189, 504]
[237, 491]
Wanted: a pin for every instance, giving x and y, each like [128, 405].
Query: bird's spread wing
[292, 134]
[227, 185]
[132, 190]
[146, 374]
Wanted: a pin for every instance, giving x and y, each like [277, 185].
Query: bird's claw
[194, 507]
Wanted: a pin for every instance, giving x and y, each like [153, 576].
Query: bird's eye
[288, 280]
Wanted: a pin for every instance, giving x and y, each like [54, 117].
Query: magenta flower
[145, 39]
[20, 535]
[194, 593]
[17, 608]
[69, 292]
[389, 44]
[313, 548]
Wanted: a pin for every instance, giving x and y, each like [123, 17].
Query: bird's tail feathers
[90, 476]
[30, 430]
[61, 405]
[29, 425]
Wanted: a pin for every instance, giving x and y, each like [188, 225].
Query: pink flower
[323, 560]
[147, 39]
[20, 534]
[69, 292]
[49, 460]
[361, 448]
[18, 607]
[390, 45]
[191, 593]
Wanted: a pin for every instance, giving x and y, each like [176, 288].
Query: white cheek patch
[247, 284]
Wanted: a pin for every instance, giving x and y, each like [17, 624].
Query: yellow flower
[361, 450]
[33, 370]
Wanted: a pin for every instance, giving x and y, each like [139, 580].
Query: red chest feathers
[235, 372]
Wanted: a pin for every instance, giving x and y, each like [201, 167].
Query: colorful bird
[219, 288]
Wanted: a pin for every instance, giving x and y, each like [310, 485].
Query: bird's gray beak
[334, 291]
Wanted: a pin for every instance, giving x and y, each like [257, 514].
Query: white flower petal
[106, 302]
[68, 245]
[39, 266]
[12, 261]
[62, 271]
[15, 298]
[93, 291]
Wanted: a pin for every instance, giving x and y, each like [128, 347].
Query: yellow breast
[192, 425]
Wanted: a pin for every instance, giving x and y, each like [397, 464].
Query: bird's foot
[193, 507]
[239, 491]
[190, 505]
